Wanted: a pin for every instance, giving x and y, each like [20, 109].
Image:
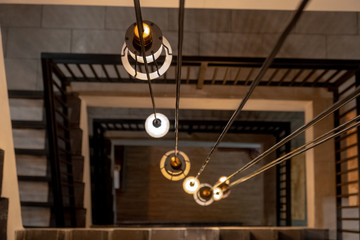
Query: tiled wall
[29, 30]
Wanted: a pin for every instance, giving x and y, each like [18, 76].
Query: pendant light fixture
[168, 169]
[175, 166]
[144, 42]
[191, 185]
[221, 190]
[204, 195]
[157, 127]
[155, 44]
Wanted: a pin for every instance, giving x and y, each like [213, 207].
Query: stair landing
[211, 233]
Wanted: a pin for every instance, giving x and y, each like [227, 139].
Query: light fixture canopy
[158, 127]
[155, 44]
[204, 195]
[191, 185]
[175, 167]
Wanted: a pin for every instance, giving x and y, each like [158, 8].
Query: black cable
[258, 78]
[300, 130]
[178, 70]
[139, 23]
[298, 151]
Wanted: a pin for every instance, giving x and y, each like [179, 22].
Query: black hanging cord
[323, 138]
[139, 23]
[178, 70]
[258, 78]
[300, 130]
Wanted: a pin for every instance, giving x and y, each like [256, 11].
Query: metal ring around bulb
[171, 173]
[199, 200]
[153, 75]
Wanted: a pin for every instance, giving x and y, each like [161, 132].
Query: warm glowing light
[191, 185]
[222, 179]
[158, 127]
[204, 195]
[174, 167]
[217, 194]
[146, 29]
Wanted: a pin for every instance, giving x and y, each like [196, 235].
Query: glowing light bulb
[146, 30]
[222, 179]
[158, 127]
[191, 185]
[217, 194]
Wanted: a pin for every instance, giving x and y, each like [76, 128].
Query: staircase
[228, 233]
[36, 182]
[4, 202]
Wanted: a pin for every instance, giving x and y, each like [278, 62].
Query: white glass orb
[222, 179]
[217, 194]
[191, 185]
[157, 131]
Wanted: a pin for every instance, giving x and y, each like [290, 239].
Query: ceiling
[314, 5]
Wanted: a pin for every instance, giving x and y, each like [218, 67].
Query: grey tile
[343, 47]
[20, 15]
[4, 33]
[202, 20]
[21, 74]
[298, 46]
[231, 44]
[123, 17]
[97, 41]
[30, 42]
[73, 17]
[327, 23]
[190, 43]
[255, 21]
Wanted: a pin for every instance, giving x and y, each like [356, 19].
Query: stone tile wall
[29, 30]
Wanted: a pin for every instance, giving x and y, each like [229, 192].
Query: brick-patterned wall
[150, 197]
[29, 30]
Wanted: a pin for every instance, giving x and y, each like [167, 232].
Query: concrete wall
[10, 188]
[32, 29]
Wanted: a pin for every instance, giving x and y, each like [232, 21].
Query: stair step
[34, 178]
[35, 216]
[23, 94]
[36, 204]
[25, 151]
[31, 165]
[34, 190]
[27, 109]
[18, 124]
[29, 138]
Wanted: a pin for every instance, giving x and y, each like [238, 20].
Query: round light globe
[154, 130]
[191, 185]
[217, 194]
